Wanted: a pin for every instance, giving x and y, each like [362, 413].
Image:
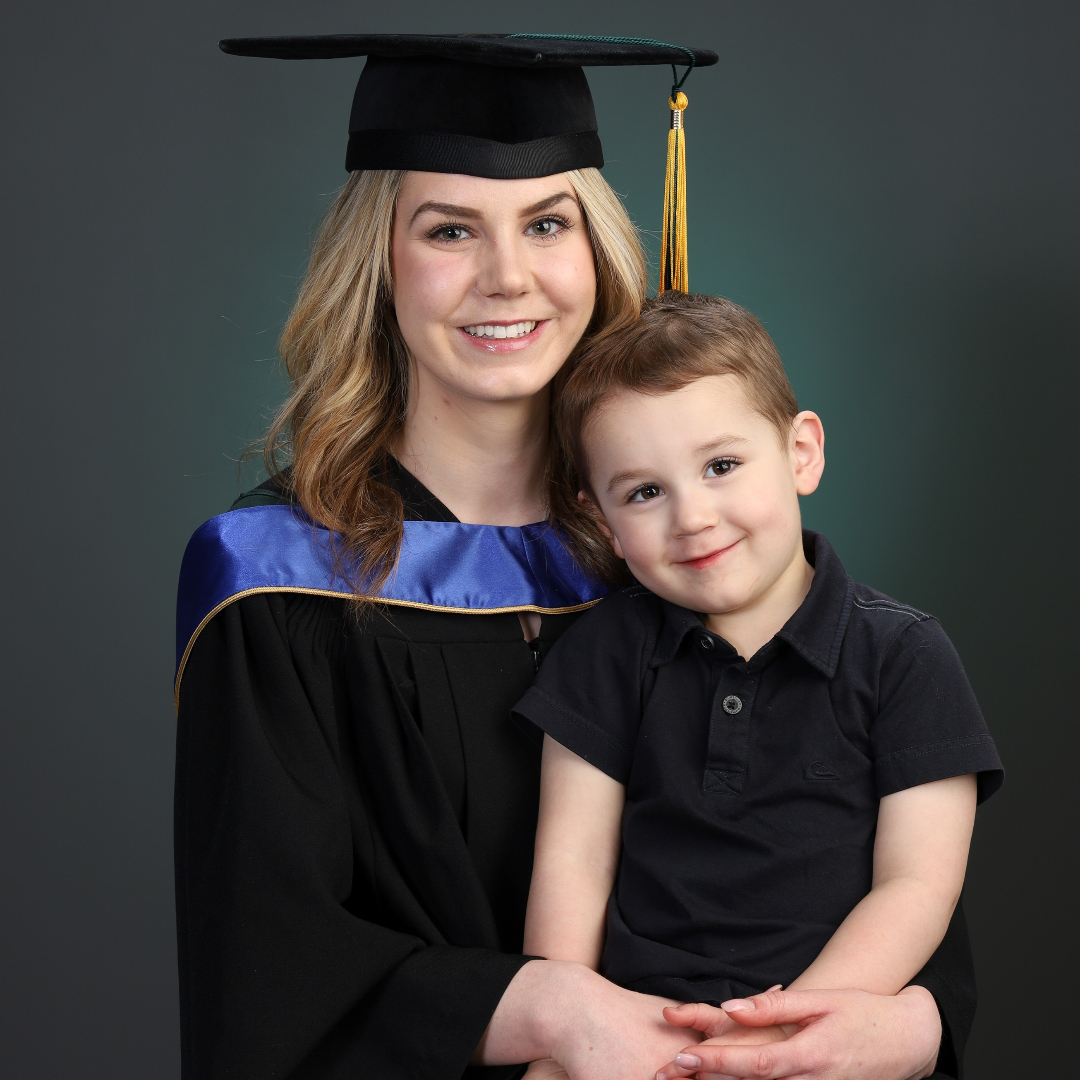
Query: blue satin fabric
[442, 565]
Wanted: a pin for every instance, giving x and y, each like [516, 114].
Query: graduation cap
[505, 106]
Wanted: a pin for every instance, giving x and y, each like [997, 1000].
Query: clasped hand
[800, 1035]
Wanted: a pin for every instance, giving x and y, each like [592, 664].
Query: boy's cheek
[647, 566]
[634, 543]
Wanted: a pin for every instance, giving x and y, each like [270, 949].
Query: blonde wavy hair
[348, 365]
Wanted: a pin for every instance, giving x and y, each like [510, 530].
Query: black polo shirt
[752, 786]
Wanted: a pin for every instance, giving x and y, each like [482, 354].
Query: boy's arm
[577, 853]
[920, 855]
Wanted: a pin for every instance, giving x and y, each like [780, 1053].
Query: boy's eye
[721, 466]
[644, 493]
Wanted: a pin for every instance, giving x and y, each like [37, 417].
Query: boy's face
[699, 493]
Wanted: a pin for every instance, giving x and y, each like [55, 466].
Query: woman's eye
[645, 493]
[547, 227]
[449, 233]
[720, 467]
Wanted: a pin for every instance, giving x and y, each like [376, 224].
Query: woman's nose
[503, 270]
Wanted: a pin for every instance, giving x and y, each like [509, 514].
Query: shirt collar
[815, 631]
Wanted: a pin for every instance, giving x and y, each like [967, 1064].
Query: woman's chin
[506, 377]
[505, 390]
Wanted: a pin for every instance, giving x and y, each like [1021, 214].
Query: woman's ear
[808, 451]
[599, 521]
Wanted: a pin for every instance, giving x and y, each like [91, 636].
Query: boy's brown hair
[678, 339]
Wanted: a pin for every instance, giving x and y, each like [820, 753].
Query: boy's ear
[599, 521]
[808, 451]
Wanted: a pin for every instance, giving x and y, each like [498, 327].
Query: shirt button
[706, 642]
[732, 704]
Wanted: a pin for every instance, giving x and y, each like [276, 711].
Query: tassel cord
[674, 272]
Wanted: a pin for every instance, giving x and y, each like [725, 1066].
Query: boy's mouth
[700, 562]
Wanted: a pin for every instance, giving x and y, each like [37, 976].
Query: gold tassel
[673, 270]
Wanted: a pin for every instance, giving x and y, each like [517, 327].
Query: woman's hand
[594, 1029]
[617, 1035]
[839, 1035]
[546, 1069]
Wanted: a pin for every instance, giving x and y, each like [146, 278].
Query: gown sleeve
[291, 963]
[950, 976]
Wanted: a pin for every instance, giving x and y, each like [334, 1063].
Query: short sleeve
[929, 725]
[587, 695]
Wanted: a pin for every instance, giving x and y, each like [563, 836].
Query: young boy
[755, 771]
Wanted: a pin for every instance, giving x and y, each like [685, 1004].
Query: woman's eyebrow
[468, 212]
[548, 203]
[445, 208]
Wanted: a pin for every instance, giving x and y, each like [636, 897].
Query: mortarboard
[504, 106]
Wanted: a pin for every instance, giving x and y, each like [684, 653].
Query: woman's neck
[484, 460]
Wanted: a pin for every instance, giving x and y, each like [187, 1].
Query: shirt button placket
[729, 728]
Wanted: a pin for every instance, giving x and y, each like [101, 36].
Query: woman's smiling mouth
[503, 336]
[501, 330]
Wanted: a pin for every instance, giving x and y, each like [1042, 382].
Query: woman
[354, 809]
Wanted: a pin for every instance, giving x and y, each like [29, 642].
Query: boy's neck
[752, 626]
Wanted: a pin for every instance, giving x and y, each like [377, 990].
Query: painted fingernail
[688, 1061]
[738, 1005]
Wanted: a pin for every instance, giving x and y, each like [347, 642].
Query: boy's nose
[693, 514]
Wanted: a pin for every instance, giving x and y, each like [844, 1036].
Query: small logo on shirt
[818, 770]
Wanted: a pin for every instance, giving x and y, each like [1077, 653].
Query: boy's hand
[839, 1035]
[721, 1031]
[705, 1018]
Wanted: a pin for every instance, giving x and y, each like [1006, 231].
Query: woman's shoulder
[272, 492]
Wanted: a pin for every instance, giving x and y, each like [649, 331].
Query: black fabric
[500, 104]
[752, 787]
[480, 104]
[955, 996]
[419, 503]
[444, 116]
[354, 830]
[354, 823]
[470, 156]
[499, 50]
[272, 492]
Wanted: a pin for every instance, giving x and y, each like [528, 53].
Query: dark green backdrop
[892, 187]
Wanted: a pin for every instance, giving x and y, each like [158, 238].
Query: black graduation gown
[355, 813]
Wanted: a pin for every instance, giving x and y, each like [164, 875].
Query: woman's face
[494, 281]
